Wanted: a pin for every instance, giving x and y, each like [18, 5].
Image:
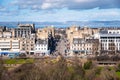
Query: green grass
[118, 74]
[70, 69]
[18, 61]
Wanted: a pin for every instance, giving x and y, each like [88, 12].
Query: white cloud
[46, 6]
[83, 1]
[76, 9]
[70, 4]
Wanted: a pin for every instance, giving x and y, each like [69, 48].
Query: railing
[106, 63]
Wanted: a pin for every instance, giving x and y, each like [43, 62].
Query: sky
[59, 10]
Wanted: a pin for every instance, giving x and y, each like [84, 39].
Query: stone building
[84, 46]
[45, 33]
[9, 47]
[27, 44]
[23, 30]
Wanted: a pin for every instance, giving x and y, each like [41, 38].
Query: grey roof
[104, 32]
[109, 35]
[92, 40]
[40, 41]
[82, 41]
[78, 40]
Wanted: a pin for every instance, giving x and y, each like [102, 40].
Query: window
[110, 32]
[74, 44]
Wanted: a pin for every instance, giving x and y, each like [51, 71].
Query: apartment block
[109, 41]
[79, 32]
[45, 32]
[27, 44]
[83, 33]
[84, 46]
[42, 47]
[9, 47]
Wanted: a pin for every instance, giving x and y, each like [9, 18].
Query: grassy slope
[18, 61]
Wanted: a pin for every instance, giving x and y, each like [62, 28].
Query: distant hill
[66, 24]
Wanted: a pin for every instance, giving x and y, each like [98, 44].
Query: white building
[9, 46]
[110, 40]
[42, 47]
[5, 34]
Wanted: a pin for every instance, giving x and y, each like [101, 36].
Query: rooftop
[41, 41]
[81, 40]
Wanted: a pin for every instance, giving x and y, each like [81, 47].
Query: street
[60, 48]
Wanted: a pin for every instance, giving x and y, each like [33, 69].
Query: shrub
[87, 65]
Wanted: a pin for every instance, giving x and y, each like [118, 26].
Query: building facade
[23, 30]
[25, 39]
[27, 44]
[84, 46]
[42, 47]
[9, 47]
[110, 41]
[81, 34]
[45, 32]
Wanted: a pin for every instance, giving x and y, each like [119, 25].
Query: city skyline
[59, 10]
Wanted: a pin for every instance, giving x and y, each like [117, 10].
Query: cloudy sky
[59, 10]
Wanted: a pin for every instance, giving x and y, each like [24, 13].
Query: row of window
[28, 45]
[110, 40]
[82, 49]
[112, 44]
[41, 48]
[27, 48]
[111, 32]
[110, 48]
[15, 45]
[41, 45]
[110, 37]
[5, 49]
[27, 42]
[4, 42]
[82, 44]
[104, 47]
[4, 45]
[9, 42]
